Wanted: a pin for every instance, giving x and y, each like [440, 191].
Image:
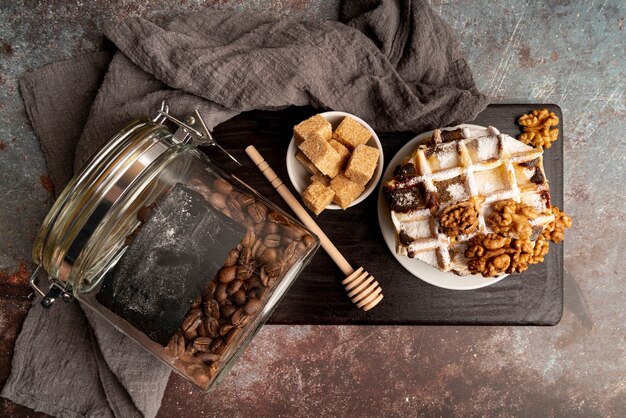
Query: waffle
[456, 167]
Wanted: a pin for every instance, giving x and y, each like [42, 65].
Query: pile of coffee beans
[215, 323]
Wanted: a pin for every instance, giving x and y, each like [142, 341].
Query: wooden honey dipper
[363, 289]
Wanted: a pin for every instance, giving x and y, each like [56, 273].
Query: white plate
[300, 177]
[420, 269]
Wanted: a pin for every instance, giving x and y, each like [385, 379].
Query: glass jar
[179, 255]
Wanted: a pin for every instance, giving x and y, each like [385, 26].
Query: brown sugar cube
[320, 178]
[314, 127]
[362, 164]
[351, 133]
[323, 155]
[345, 190]
[308, 164]
[317, 196]
[344, 153]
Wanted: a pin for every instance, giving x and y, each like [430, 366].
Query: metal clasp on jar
[55, 290]
[194, 128]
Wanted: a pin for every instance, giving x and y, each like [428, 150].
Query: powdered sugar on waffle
[488, 148]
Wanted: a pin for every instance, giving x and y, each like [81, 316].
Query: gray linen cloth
[395, 64]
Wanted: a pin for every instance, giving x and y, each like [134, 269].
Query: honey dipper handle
[293, 203]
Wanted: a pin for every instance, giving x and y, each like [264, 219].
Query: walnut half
[540, 250]
[512, 219]
[487, 254]
[555, 230]
[459, 219]
[537, 126]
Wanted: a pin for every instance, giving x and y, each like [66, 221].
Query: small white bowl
[300, 177]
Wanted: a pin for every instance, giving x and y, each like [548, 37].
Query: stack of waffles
[454, 167]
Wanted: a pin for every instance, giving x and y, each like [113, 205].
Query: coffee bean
[176, 345]
[238, 217]
[220, 292]
[234, 194]
[254, 282]
[285, 240]
[272, 269]
[201, 375]
[190, 349]
[261, 292]
[224, 329]
[239, 297]
[144, 213]
[201, 330]
[290, 254]
[209, 289]
[272, 240]
[292, 231]
[258, 228]
[227, 274]
[230, 336]
[233, 204]
[203, 344]
[252, 306]
[190, 334]
[226, 311]
[196, 302]
[191, 321]
[180, 345]
[239, 318]
[245, 199]
[231, 258]
[222, 186]
[187, 358]
[245, 256]
[277, 218]
[249, 239]
[207, 357]
[212, 308]
[264, 277]
[218, 200]
[218, 346]
[301, 248]
[234, 286]
[270, 228]
[212, 326]
[249, 224]
[193, 369]
[268, 256]
[308, 240]
[258, 248]
[245, 271]
[171, 344]
[271, 280]
[256, 212]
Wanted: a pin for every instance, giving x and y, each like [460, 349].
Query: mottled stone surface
[567, 52]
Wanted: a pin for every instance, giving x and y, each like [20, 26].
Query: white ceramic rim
[420, 269]
[299, 176]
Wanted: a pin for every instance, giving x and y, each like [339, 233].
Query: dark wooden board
[532, 298]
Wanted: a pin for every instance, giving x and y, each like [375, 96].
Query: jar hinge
[55, 290]
[194, 128]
